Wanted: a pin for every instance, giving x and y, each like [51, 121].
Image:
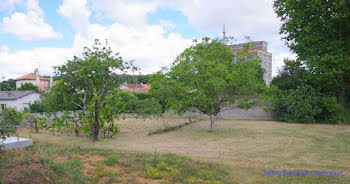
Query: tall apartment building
[259, 48]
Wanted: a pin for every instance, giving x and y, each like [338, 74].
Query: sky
[46, 33]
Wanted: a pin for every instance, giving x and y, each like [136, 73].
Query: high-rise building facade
[259, 48]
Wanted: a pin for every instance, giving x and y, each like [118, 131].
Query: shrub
[297, 105]
[155, 173]
[112, 159]
[9, 119]
[304, 105]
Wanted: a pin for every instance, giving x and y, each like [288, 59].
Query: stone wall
[255, 113]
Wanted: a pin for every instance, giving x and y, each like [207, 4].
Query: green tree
[8, 85]
[206, 77]
[9, 119]
[318, 32]
[297, 98]
[28, 86]
[90, 80]
[159, 88]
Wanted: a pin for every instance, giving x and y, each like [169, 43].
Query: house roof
[42, 86]
[138, 88]
[31, 76]
[14, 95]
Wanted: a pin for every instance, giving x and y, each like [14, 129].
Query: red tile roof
[42, 86]
[31, 76]
[137, 88]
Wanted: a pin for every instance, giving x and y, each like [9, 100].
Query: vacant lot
[259, 144]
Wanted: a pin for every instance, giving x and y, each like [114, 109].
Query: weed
[112, 159]
[111, 178]
[155, 173]
[155, 158]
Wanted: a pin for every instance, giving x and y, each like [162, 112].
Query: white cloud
[254, 18]
[15, 64]
[128, 12]
[77, 13]
[149, 45]
[9, 5]
[30, 25]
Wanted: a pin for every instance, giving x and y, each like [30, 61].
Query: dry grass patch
[264, 142]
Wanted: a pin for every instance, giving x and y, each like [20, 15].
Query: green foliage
[87, 92]
[137, 103]
[8, 85]
[34, 122]
[205, 77]
[112, 159]
[293, 74]
[86, 83]
[297, 105]
[58, 98]
[36, 107]
[28, 86]
[9, 119]
[318, 32]
[159, 89]
[296, 97]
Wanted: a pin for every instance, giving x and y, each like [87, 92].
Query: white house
[18, 99]
[41, 82]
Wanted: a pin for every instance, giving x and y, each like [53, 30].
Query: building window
[3, 106]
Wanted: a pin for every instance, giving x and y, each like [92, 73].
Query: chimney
[37, 76]
[51, 82]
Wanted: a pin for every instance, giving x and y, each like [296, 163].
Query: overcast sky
[45, 33]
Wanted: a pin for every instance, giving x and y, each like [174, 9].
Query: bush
[28, 86]
[297, 105]
[304, 105]
[112, 159]
[9, 119]
[36, 107]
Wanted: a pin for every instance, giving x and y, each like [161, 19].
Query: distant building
[18, 99]
[135, 88]
[41, 82]
[259, 48]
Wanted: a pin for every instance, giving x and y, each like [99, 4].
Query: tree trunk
[212, 120]
[342, 98]
[95, 128]
[36, 127]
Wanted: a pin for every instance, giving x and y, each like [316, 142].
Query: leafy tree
[9, 119]
[89, 79]
[297, 98]
[8, 85]
[159, 88]
[319, 33]
[60, 98]
[205, 77]
[36, 107]
[33, 122]
[88, 88]
[28, 86]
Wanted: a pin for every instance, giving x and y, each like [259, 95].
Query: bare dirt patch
[21, 167]
[122, 172]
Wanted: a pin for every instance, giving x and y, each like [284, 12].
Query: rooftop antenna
[224, 32]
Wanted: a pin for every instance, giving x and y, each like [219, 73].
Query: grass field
[237, 152]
